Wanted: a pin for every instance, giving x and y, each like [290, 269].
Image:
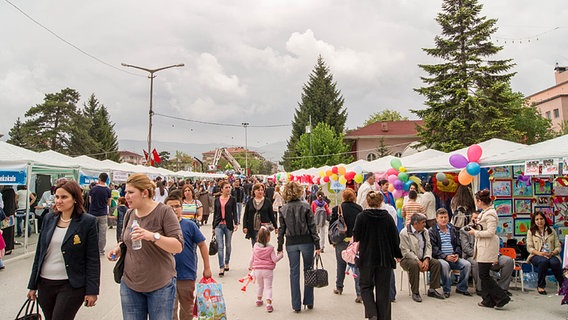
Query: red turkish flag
[156, 156]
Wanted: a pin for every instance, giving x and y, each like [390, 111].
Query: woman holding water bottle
[151, 234]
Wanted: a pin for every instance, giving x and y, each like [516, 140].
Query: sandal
[541, 291]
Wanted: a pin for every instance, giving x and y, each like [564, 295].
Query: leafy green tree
[323, 102]
[385, 115]
[52, 121]
[101, 129]
[328, 148]
[467, 94]
[563, 128]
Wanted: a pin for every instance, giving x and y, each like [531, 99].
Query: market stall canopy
[380, 165]
[11, 154]
[550, 149]
[417, 160]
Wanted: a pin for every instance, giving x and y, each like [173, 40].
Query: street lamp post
[246, 124]
[151, 113]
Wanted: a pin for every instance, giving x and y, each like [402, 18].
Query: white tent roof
[553, 148]
[419, 159]
[11, 154]
[380, 165]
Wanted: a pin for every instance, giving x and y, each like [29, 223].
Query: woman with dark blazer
[258, 203]
[350, 210]
[66, 268]
[224, 224]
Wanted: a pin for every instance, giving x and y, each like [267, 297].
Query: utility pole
[246, 124]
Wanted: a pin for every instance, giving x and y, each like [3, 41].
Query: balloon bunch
[470, 165]
[340, 174]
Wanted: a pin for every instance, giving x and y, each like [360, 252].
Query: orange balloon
[464, 178]
[341, 170]
[391, 187]
[328, 173]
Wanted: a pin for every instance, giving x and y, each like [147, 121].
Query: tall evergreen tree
[467, 95]
[323, 102]
[101, 129]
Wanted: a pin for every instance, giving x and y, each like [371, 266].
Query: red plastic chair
[510, 252]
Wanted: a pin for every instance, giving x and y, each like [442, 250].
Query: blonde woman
[298, 226]
[148, 286]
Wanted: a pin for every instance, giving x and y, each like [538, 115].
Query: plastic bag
[209, 301]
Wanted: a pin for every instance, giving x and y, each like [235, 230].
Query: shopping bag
[30, 313]
[338, 228]
[209, 301]
[316, 277]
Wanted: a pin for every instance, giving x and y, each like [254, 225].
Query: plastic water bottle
[136, 244]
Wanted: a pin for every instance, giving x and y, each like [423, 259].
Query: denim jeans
[102, 229]
[307, 252]
[155, 305]
[21, 220]
[239, 210]
[342, 266]
[463, 266]
[543, 264]
[223, 235]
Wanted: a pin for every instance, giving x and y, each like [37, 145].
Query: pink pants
[264, 282]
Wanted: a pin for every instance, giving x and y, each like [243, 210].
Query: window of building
[548, 115]
[556, 113]
[371, 156]
[398, 154]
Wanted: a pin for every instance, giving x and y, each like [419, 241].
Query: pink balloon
[458, 161]
[474, 153]
[392, 178]
[391, 172]
[397, 194]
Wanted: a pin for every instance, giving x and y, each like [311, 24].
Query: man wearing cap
[367, 186]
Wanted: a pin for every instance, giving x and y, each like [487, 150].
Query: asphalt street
[241, 305]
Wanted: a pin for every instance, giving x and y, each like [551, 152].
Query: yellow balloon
[342, 180]
[322, 174]
[341, 170]
[399, 202]
[358, 178]
[333, 177]
[402, 169]
[415, 179]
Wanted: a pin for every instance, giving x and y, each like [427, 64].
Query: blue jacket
[436, 241]
[80, 251]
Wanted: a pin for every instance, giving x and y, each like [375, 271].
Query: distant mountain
[272, 152]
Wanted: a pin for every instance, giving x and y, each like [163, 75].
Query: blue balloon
[473, 168]
[407, 185]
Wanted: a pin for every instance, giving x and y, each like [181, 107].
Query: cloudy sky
[247, 60]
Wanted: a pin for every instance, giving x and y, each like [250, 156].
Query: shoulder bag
[118, 270]
[338, 228]
[317, 277]
[213, 246]
[30, 313]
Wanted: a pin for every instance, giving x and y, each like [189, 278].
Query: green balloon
[396, 163]
[403, 176]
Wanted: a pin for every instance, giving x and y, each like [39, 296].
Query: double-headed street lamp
[151, 113]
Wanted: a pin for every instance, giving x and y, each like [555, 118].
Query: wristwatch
[157, 236]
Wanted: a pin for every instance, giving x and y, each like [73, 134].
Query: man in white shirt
[367, 186]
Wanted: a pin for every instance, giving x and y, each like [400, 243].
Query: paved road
[241, 306]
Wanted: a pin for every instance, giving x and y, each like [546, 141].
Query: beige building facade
[553, 102]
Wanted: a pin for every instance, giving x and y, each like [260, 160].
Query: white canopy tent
[550, 149]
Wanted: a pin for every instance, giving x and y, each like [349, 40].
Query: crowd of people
[158, 230]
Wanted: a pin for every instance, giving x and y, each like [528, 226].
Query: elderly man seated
[417, 257]
[446, 248]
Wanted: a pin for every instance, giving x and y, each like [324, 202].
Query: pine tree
[323, 102]
[101, 129]
[468, 94]
[18, 135]
[50, 125]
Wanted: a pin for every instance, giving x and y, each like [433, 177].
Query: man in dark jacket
[446, 248]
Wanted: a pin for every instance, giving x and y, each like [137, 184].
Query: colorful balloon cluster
[470, 165]
[399, 180]
[340, 174]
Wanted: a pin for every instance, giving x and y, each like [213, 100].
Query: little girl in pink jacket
[263, 262]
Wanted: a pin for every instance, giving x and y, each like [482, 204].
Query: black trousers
[8, 235]
[58, 300]
[491, 293]
[375, 291]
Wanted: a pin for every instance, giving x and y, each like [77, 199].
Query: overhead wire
[221, 124]
[69, 43]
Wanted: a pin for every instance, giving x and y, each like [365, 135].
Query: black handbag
[118, 270]
[119, 266]
[316, 277]
[29, 305]
[213, 246]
